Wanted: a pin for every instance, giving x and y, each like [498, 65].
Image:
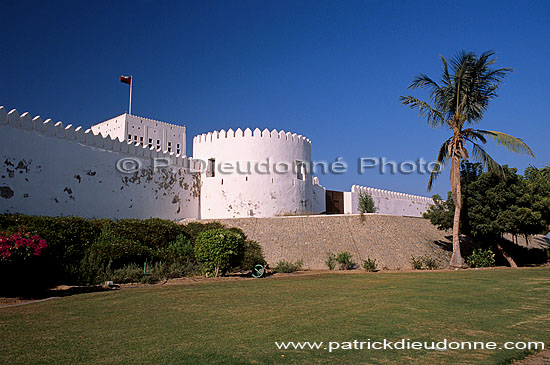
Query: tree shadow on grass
[37, 294]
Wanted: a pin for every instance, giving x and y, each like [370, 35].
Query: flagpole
[131, 82]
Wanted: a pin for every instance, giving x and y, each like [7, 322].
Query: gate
[334, 202]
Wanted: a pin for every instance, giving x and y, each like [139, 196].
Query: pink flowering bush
[20, 245]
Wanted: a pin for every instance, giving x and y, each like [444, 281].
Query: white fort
[55, 169]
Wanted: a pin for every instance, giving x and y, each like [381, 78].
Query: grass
[238, 321]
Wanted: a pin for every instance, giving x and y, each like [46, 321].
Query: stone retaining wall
[391, 240]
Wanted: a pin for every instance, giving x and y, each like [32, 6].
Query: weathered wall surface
[391, 240]
[50, 169]
[388, 202]
[263, 181]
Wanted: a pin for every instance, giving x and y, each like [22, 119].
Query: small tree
[218, 250]
[366, 203]
[345, 261]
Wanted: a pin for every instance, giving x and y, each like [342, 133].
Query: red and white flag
[126, 79]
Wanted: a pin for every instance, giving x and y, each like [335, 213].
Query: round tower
[253, 174]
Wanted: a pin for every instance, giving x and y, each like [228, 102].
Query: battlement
[248, 133]
[49, 128]
[158, 121]
[390, 194]
[145, 119]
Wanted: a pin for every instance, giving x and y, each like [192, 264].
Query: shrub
[252, 256]
[430, 263]
[331, 261]
[366, 203]
[194, 228]
[110, 247]
[134, 273]
[110, 252]
[218, 250]
[182, 247]
[71, 259]
[21, 258]
[131, 273]
[20, 245]
[288, 267]
[344, 259]
[481, 258]
[369, 264]
[154, 233]
[417, 262]
[421, 263]
[180, 269]
[67, 238]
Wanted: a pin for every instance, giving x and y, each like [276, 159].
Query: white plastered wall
[55, 170]
[251, 193]
[387, 202]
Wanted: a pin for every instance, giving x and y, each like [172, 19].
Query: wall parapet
[78, 134]
[144, 118]
[248, 133]
[390, 194]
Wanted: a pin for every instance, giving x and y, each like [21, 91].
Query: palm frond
[442, 159]
[480, 155]
[445, 77]
[512, 143]
[423, 80]
[433, 116]
[470, 133]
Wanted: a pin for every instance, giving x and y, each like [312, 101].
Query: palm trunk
[456, 259]
[508, 258]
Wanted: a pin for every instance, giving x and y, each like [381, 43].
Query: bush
[67, 238]
[369, 264]
[252, 256]
[421, 263]
[430, 263]
[331, 261]
[154, 233]
[134, 273]
[366, 203]
[20, 263]
[344, 259]
[182, 247]
[288, 267]
[417, 262]
[194, 228]
[131, 273]
[71, 259]
[219, 250]
[20, 246]
[180, 269]
[481, 258]
[111, 252]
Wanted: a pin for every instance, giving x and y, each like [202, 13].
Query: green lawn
[239, 321]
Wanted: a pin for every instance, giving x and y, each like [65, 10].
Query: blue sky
[330, 70]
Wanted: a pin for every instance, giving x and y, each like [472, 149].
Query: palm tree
[457, 101]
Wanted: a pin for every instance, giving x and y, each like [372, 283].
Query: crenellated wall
[48, 168]
[144, 131]
[387, 202]
[263, 182]
[51, 169]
